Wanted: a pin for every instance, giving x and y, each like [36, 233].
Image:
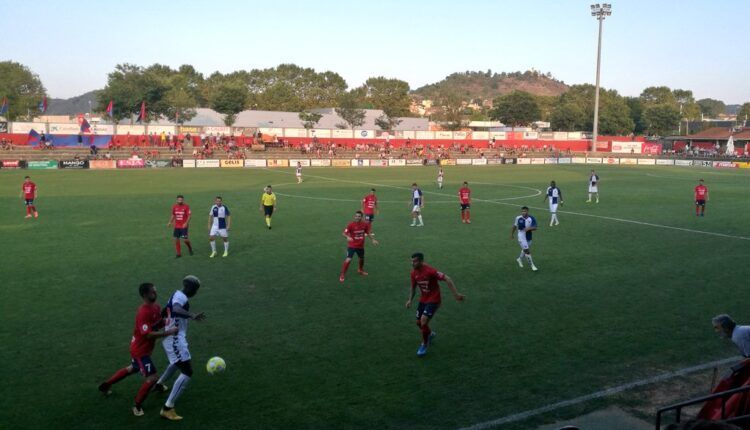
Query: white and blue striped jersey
[178, 298]
[220, 214]
[554, 194]
[522, 223]
[417, 197]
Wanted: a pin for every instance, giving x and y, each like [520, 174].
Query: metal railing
[724, 395]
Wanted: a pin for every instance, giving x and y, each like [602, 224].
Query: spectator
[725, 326]
[93, 149]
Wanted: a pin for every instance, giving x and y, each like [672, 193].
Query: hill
[487, 85]
[73, 105]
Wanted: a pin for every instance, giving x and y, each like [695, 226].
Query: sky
[690, 44]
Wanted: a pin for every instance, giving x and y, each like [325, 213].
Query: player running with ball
[426, 279]
[178, 314]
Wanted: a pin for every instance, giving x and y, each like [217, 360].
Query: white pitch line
[629, 221]
[596, 395]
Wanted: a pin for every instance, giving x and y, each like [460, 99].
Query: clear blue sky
[699, 45]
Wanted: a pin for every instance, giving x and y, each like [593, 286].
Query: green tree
[711, 107]
[661, 119]
[516, 108]
[636, 112]
[390, 95]
[385, 122]
[129, 85]
[568, 116]
[22, 87]
[181, 99]
[349, 112]
[546, 106]
[574, 110]
[302, 89]
[309, 119]
[451, 113]
[658, 95]
[230, 98]
[743, 115]
[689, 109]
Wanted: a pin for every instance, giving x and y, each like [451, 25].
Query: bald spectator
[739, 334]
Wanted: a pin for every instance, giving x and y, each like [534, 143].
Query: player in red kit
[426, 278]
[370, 206]
[28, 193]
[464, 197]
[148, 328]
[355, 234]
[180, 218]
[701, 197]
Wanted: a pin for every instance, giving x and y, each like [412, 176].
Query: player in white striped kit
[177, 314]
[555, 197]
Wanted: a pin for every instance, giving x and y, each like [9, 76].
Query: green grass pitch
[612, 302]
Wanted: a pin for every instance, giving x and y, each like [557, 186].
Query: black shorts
[268, 210]
[144, 365]
[465, 206]
[427, 309]
[700, 203]
[180, 233]
[29, 202]
[369, 217]
[351, 251]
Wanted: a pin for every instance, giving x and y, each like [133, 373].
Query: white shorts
[440, 179]
[525, 244]
[553, 207]
[593, 188]
[416, 208]
[299, 175]
[216, 231]
[176, 348]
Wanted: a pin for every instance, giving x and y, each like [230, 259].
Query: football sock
[143, 392]
[523, 254]
[426, 334]
[167, 375]
[178, 247]
[589, 196]
[190, 247]
[528, 257]
[345, 267]
[419, 217]
[28, 210]
[33, 208]
[468, 215]
[226, 246]
[268, 221]
[179, 386]
[554, 218]
[213, 245]
[697, 210]
[118, 376]
[361, 264]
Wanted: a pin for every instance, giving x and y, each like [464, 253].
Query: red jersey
[29, 189]
[426, 278]
[464, 195]
[357, 232]
[181, 214]
[147, 320]
[368, 204]
[701, 192]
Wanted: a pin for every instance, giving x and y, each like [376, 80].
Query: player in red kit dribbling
[148, 328]
[426, 278]
[355, 234]
[181, 220]
[28, 193]
[370, 206]
[464, 197]
[701, 197]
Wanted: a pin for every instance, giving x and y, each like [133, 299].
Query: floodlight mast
[600, 12]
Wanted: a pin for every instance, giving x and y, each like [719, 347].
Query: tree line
[176, 93]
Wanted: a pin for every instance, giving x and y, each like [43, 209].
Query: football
[215, 365]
